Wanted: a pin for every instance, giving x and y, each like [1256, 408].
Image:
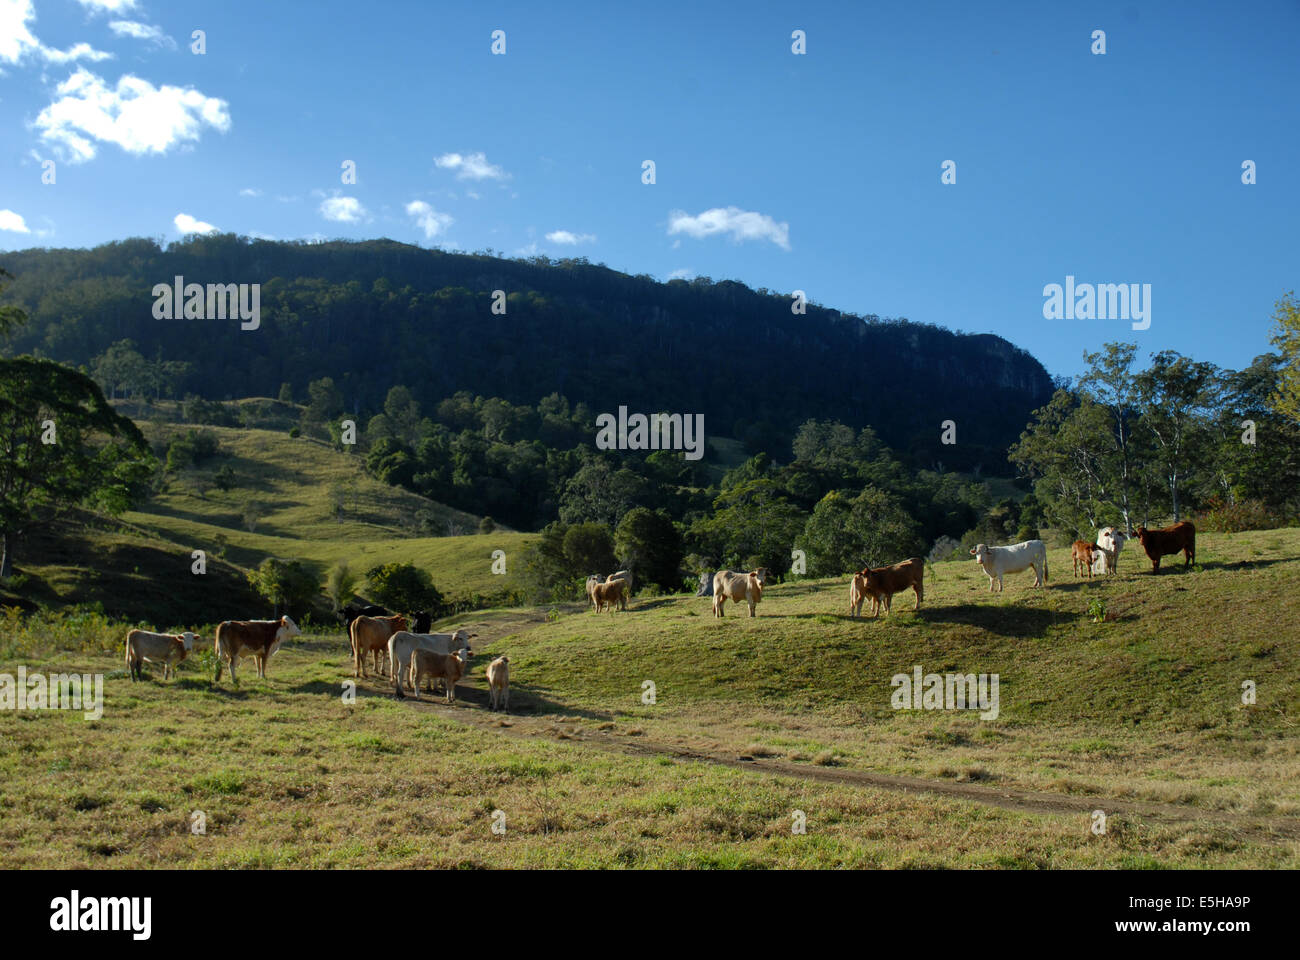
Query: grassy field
[1139, 715]
[294, 481]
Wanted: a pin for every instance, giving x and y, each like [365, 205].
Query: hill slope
[379, 313]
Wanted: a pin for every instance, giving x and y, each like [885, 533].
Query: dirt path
[570, 729]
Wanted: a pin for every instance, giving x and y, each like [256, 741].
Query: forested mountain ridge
[376, 313]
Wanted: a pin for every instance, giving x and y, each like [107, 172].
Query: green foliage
[403, 587]
[341, 584]
[291, 585]
[650, 544]
[99, 458]
[190, 449]
[848, 533]
[1286, 397]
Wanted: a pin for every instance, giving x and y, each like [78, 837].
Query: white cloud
[250, 192]
[13, 222]
[568, 237]
[740, 224]
[429, 219]
[142, 31]
[108, 6]
[342, 209]
[136, 115]
[185, 225]
[471, 166]
[682, 274]
[17, 39]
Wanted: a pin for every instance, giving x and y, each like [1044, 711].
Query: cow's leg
[920, 589]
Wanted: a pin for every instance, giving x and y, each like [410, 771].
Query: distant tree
[290, 585]
[96, 456]
[486, 525]
[847, 533]
[403, 587]
[1286, 399]
[1177, 394]
[341, 585]
[225, 479]
[650, 544]
[11, 317]
[286, 393]
[588, 548]
[121, 368]
[325, 403]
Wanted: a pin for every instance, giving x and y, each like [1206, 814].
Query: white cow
[999, 561]
[1111, 540]
[168, 649]
[403, 643]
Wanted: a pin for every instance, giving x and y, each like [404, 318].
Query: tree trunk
[6, 557]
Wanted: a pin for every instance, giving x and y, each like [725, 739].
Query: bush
[291, 585]
[486, 525]
[1221, 517]
[403, 587]
[295, 433]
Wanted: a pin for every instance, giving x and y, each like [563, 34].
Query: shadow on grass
[1004, 621]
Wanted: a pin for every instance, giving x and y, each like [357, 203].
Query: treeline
[1130, 445]
[372, 314]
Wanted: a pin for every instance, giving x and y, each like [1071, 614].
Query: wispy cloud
[109, 6]
[137, 116]
[13, 222]
[471, 166]
[739, 224]
[185, 225]
[430, 220]
[142, 31]
[250, 192]
[682, 274]
[570, 238]
[343, 209]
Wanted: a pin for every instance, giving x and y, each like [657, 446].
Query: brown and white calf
[169, 649]
[609, 594]
[258, 639]
[1082, 553]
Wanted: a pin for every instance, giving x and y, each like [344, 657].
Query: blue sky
[818, 172]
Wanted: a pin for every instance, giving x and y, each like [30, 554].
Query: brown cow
[1180, 537]
[883, 582]
[609, 595]
[255, 638]
[857, 593]
[1082, 552]
[370, 635]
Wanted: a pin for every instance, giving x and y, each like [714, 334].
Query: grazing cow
[592, 580]
[369, 636]
[498, 678]
[447, 667]
[165, 648]
[1082, 553]
[883, 582]
[1110, 541]
[1180, 537]
[737, 587]
[402, 645]
[609, 594]
[999, 561]
[254, 638]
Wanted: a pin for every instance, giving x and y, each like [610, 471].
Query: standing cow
[999, 561]
[1181, 537]
[737, 587]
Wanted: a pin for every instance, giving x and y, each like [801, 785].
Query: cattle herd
[404, 646]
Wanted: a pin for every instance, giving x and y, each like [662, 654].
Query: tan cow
[166, 648]
[447, 667]
[252, 638]
[737, 587]
[498, 678]
[883, 582]
[609, 595]
[402, 646]
[857, 594]
[370, 636]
